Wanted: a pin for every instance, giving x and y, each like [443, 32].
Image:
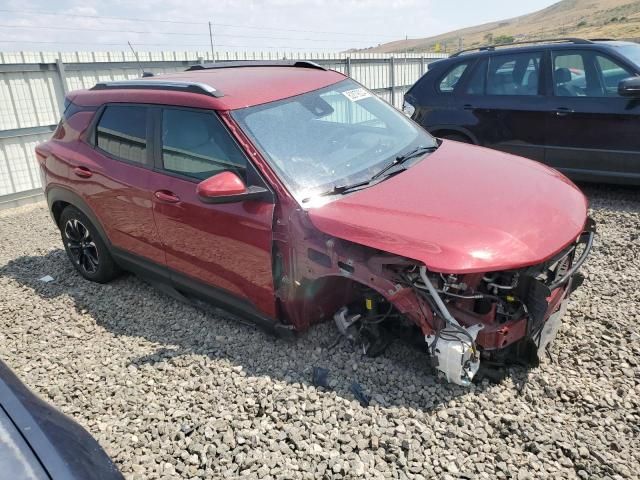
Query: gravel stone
[172, 391]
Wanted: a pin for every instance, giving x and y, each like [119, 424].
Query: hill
[567, 18]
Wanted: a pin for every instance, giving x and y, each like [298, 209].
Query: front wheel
[85, 248]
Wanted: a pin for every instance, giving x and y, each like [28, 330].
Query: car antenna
[142, 72]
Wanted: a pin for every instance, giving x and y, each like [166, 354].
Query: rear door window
[514, 74]
[122, 132]
[450, 79]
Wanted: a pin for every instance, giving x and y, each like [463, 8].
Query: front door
[592, 131]
[221, 250]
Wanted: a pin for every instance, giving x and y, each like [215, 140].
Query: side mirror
[227, 187]
[629, 87]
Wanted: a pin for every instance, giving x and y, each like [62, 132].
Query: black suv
[573, 104]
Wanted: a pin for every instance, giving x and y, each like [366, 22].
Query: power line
[281, 47]
[300, 31]
[184, 22]
[38, 27]
[97, 17]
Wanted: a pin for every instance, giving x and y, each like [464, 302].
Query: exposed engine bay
[495, 318]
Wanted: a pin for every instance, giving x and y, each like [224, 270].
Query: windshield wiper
[400, 159]
[338, 189]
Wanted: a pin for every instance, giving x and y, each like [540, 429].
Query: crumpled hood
[463, 209]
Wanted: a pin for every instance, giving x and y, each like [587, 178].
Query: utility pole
[213, 55]
[137, 58]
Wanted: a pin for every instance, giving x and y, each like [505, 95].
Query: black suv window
[478, 79]
[197, 145]
[122, 132]
[514, 74]
[586, 73]
[450, 79]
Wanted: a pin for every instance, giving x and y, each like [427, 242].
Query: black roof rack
[177, 86]
[577, 41]
[256, 63]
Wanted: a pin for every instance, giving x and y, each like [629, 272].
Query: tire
[85, 248]
[457, 137]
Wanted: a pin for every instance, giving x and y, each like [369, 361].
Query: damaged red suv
[292, 195]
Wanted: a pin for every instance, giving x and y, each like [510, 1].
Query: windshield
[341, 134]
[632, 52]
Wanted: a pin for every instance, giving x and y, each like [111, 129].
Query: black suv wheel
[86, 250]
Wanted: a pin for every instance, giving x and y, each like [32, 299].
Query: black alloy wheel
[82, 248]
[85, 247]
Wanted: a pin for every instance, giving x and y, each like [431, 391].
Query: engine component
[453, 347]
[454, 353]
[347, 324]
[363, 331]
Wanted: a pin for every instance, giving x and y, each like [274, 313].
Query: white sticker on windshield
[356, 94]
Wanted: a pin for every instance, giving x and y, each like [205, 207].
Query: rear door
[592, 132]
[114, 179]
[506, 96]
[220, 250]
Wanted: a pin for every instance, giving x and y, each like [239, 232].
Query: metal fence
[33, 86]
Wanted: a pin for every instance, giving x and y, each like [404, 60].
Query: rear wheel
[85, 248]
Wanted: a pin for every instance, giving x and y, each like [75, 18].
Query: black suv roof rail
[176, 86]
[256, 63]
[577, 41]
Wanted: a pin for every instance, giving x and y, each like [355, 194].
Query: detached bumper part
[454, 353]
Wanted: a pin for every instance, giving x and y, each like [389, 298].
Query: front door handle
[563, 111]
[167, 196]
[467, 106]
[82, 172]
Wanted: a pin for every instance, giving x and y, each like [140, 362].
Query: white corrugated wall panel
[31, 99]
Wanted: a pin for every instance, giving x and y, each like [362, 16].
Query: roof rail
[578, 41]
[256, 63]
[177, 86]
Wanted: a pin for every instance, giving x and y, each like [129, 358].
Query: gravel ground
[171, 391]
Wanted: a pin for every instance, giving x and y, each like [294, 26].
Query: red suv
[292, 195]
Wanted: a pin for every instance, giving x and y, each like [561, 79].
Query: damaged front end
[493, 318]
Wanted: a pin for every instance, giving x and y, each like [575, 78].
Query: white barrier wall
[33, 86]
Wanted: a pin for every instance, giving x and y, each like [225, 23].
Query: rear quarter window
[451, 77]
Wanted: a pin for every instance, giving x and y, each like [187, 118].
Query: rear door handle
[167, 196]
[467, 106]
[562, 111]
[83, 172]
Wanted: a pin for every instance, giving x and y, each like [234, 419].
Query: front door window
[586, 74]
[195, 144]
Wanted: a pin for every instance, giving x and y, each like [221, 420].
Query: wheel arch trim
[57, 194]
[454, 128]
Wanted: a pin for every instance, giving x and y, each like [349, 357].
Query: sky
[251, 25]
